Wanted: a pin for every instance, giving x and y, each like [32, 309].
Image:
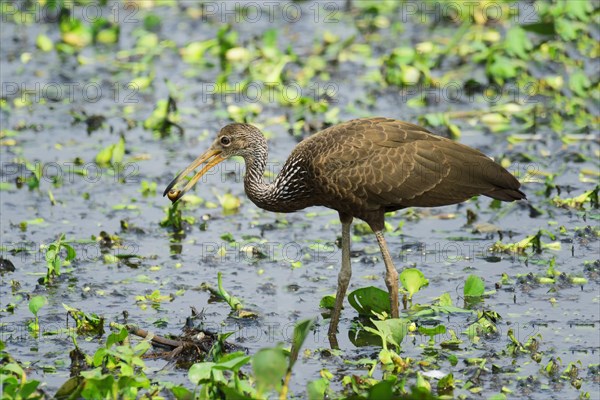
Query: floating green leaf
[579, 83]
[446, 385]
[502, 68]
[391, 331]
[44, 43]
[36, 303]
[445, 300]
[112, 154]
[474, 286]
[370, 299]
[301, 331]
[542, 28]
[327, 301]
[383, 390]
[580, 9]
[269, 366]
[413, 280]
[316, 389]
[436, 330]
[517, 43]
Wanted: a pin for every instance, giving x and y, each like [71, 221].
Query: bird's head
[232, 140]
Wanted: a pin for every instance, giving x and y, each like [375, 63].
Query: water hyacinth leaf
[200, 373]
[385, 356]
[581, 9]
[194, 51]
[269, 366]
[541, 28]
[116, 337]
[301, 331]
[316, 389]
[362, 228]
[148, 41]
[36, 303]
[327, 302]
[474, 286]
[436, 330]
[51, 253]
[151, 22]
[71, 389]
[517, 43]
[381, 391]
[446, 384]
[181, 393]
[231, 393]
[370, 299]
[105, 32]
[118, 151]
[435, 119]
[74, 32]
[228, 237]
[393, 330]
[445, 300]
[413, 280]
[103, 157]
[576, 280]
[111, 154]
[502, 68]
[566, 29]
[579, 83]
[404, 55]
[70, 252]
[14, 368]
[269, 47]
[423, 383]
[165, 116]
[110, 259]
[140, 349]
[232, 362]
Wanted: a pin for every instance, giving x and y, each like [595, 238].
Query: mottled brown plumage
[362, 168]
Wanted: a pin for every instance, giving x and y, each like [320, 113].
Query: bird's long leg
[391, 275]
[343, 278]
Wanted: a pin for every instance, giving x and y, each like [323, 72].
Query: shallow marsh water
[279, 289]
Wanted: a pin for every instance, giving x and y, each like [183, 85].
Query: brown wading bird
[362, 168]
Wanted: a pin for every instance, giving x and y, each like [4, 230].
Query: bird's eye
[225, 141]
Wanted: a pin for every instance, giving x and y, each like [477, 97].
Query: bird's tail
[506, 194]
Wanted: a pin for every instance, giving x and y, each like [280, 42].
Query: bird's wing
[392, 164]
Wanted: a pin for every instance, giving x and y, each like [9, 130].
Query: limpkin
[362, 168]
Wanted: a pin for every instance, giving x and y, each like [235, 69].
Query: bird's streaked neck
[268, 196]
[257, 190]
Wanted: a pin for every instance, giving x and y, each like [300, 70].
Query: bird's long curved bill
[211, 158]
